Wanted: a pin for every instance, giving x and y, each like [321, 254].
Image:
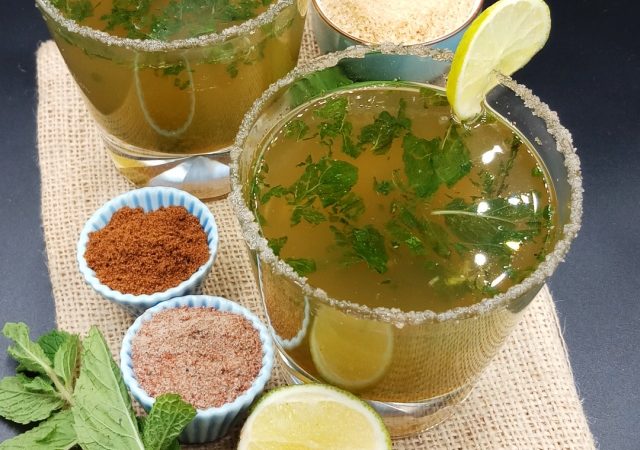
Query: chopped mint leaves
[489, 224]
[296, 129]
[383, 187]
[302, 266]
[418, 164]
[276, 244]
[385, 128]
[452, 161]
[368, 243]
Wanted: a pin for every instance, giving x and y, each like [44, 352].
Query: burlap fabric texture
[526, 399]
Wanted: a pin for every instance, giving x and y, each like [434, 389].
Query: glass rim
[473, 14]
[257, 243]
[156, 45]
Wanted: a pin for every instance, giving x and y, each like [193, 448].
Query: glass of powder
[212, 352]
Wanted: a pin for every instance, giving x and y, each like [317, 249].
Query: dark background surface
[589, 72]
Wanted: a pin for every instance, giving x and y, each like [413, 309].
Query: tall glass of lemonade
[395, 246]
[169, 81]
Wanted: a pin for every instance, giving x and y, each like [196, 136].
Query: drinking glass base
[401, 419]
[205, 176]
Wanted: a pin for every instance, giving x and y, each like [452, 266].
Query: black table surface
[589, 72]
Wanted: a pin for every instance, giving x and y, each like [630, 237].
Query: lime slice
[313, 416]
[501, 39]
[167, 99]
[349, 352]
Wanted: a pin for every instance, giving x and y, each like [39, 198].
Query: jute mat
[526, 399]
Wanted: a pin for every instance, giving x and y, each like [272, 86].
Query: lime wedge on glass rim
[500, 40]
[313, 416]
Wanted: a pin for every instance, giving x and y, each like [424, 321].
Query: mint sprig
[76, 391]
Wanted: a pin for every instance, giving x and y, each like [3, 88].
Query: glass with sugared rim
[395, 247]
[169, 90]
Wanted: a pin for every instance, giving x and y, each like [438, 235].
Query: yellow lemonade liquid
[380, 198]
[170, 103]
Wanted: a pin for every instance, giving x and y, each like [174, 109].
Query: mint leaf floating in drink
[166, 420]
[385, 128]
[102, 408]
[369, 245]
[302, 266]
[296, 129]
[494, 225]
[451, 161]
[418, 165]
[25, 400]
[56, 433]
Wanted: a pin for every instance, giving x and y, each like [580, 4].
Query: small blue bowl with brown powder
[214, 353]
[147, 246]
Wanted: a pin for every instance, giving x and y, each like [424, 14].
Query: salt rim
[564, 142]
[248, 27]
[473, 14]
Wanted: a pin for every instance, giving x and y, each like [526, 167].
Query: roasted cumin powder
[208, 357]
[143, 253]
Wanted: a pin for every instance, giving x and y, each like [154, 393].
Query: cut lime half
[500, 40]
[311, 417]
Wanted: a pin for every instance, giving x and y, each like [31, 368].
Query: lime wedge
[349, 352]
[501, 39]
[313, 416]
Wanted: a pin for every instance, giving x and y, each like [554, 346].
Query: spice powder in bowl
[405, 22]
[144, 253]
[208, 357]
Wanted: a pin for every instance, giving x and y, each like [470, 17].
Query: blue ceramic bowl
[331, 39]
[149, 199]
[212, 423]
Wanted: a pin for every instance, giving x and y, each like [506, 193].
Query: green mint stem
[445, 212]
[63, 390]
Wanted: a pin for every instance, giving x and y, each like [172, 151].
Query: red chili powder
[142, 253]
[206, 356]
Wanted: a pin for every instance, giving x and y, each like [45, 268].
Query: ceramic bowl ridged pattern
[149, 199]
[212, 423]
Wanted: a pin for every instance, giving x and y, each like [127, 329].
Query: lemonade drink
[396, 247]
[379, 197]
[165, 79]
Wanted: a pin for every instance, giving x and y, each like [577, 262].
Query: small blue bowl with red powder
[151, 199]
[207, 349]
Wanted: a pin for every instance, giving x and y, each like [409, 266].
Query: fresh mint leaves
[56, 433]
[93, 411]
[102, 408]
[169, 416]
[25, 400]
